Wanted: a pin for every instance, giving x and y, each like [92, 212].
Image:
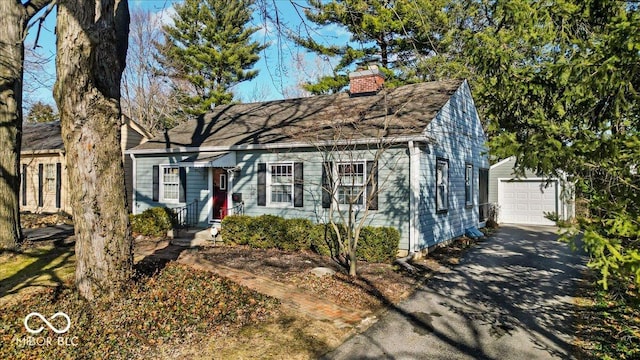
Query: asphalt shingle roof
[402, 111]
[42, 136]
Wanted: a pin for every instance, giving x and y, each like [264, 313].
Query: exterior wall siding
[459, 138]
[393, 182]
[197, 186]
[503, 171]
[130, 138]
[32, 192]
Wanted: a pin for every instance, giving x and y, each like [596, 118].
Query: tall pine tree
[399, 33]
[209, 49]
[559, 84]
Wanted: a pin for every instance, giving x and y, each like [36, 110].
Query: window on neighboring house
[280, 185]
[50, 177]
[468, 185]
[351, 183]
[442, 185]
[171, 183]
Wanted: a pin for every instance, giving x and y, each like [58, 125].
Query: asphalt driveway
[510, 298]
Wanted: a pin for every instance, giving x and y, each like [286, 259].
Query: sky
[278, 76]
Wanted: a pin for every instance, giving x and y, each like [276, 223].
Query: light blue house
[412, 157]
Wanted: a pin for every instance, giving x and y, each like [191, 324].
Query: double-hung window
[50, 177]
[442, 185]
[171, 184]
[468, 185]
[351, 183]
[280, 184]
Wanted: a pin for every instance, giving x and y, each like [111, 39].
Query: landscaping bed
[30, 220]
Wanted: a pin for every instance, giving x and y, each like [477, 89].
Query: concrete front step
[192, 234]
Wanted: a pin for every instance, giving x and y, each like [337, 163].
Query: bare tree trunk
[12, 23]
[91, 51]
[14, 16]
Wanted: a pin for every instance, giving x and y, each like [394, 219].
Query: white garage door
[526, 201]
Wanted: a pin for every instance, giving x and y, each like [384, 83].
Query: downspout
[414, 194]
[134, 183]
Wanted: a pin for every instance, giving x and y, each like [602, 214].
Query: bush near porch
[376, 244]
[153, 222]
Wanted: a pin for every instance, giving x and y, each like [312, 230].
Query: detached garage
[526, 200]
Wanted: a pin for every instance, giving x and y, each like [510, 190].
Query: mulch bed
[375, 286]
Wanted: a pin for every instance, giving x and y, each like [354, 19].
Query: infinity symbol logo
[39, 330]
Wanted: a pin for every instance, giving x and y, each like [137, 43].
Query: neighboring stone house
[412, 157]
[44, 185]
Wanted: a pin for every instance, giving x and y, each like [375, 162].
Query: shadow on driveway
[511, 297]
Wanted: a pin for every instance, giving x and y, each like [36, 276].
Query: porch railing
[234, 210]
[186, 216]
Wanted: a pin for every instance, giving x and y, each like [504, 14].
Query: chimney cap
[369, 60]
[371, 71]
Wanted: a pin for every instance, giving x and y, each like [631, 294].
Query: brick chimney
[366, 80]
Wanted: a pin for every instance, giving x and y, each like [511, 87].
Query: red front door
[219, 197]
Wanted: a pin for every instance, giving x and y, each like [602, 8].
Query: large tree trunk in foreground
[12, 23]
[91, 51]
[14, 16]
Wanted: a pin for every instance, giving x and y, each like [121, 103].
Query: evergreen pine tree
[207, 50]
[399, 33]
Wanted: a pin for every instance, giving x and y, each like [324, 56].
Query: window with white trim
[351, 181]
[280, 183]
[170, 184]
[50, 177]
[468, 185]
[442, 185]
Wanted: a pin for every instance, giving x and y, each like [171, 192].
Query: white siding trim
[209, 205]
[134, 183]
[501, 162]
[414, 194]
[284, 145]
[230, 180]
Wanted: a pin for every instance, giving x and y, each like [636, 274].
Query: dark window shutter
[40, 181]
[327, 184]
[182, 197]
[262, 184]
[372, 185]
[58, 185]
[24, 184]
[156, 182]
[298, 181]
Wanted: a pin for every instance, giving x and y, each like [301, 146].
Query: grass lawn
[35, 269]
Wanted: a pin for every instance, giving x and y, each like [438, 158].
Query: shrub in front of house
[266, 231]
[376, 244]
[153, 222]
[235, 229]
[298, 233]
